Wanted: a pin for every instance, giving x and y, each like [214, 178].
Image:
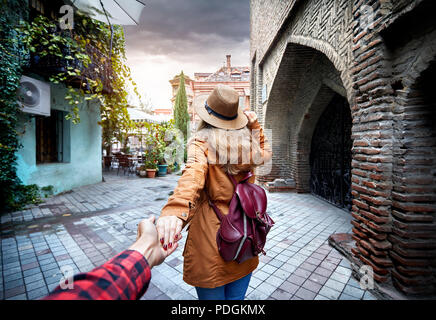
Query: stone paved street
[87, 226]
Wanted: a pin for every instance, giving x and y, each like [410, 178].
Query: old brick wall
[390, 148]
[278, 29]
[372, 144]
[266, 18]
[414, 192]
[324, 25]
[413, 234]
[371, 52]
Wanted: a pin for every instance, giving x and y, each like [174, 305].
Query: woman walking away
[228, 144]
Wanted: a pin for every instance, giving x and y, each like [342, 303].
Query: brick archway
[305, 83]
[304, 136]
[381, 67]
[334, 57]
[281, 100]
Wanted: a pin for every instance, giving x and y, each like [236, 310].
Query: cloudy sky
[188, 35]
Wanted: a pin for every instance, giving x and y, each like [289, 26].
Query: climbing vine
[115, 120]
[12, 192]
[23, 42]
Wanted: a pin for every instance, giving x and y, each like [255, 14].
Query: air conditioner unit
[34, 96]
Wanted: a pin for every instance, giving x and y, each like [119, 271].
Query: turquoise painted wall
[83, 164]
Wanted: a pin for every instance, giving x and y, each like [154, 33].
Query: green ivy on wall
[20, 37]
[12, 55]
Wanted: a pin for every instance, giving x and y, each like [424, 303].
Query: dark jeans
[232, 291]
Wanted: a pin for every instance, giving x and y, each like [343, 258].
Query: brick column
[372, 149]
[413, 198]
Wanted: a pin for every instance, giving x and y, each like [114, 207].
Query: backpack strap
[235, 183]
[232, 178]
[217, 211]
[247, 176]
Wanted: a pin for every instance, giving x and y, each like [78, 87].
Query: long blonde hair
[234, 150]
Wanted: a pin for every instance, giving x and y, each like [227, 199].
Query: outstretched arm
[124, 277]
[179, 209]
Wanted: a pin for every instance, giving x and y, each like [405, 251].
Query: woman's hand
[252, 117]
[147, 243]
[169, 228]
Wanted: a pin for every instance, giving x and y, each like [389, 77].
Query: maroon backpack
[242, 234]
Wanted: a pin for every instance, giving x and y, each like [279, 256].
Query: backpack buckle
[260, 218]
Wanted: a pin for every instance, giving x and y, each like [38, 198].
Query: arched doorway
[305, 83]
[330, 154]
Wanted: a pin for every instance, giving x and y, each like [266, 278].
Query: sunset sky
[188, 35]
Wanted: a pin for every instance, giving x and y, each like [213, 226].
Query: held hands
[169, 228]
[147, 243]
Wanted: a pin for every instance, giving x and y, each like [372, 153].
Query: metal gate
[330, 155]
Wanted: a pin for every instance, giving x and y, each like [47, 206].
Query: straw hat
[221, 108]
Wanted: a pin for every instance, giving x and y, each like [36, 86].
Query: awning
[121, 12]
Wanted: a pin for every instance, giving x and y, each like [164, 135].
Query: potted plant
[142, 171]
[162, 170]
[159, 141]
[162, 166]
[170, 168]
[150, 169]
[150, 162]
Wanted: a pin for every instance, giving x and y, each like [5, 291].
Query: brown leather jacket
[203, 265]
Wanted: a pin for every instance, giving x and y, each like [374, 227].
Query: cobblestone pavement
[87, 226]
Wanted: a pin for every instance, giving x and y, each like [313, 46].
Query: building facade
[346, 88]
[55, 152]
[166, 113]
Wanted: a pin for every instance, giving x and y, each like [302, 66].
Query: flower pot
[162, 170]
[151, 173]
[143, 173]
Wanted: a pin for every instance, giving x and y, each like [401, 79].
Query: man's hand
[147, 243]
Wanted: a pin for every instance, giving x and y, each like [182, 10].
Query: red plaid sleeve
[124, 277]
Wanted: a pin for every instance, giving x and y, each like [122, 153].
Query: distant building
[166, 113]
[137, 115]
[203, 83]
[189, 87]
